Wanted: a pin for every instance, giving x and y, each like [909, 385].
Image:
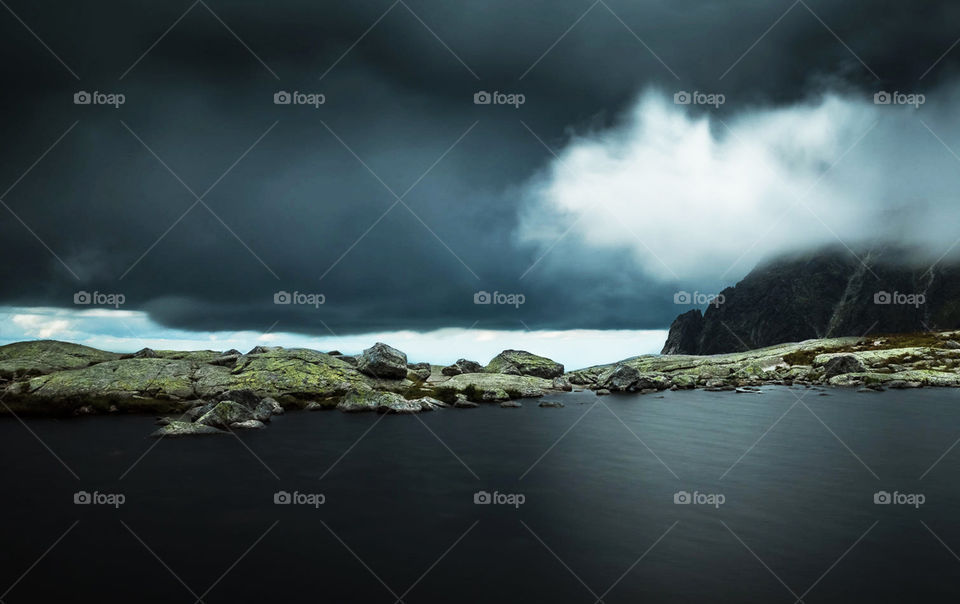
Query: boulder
[313, 406]
[428, 403]
[145, 353]
[620, 378]
[263, 349]
[603, 392]
[511, 405]
[550, 404]
[266, 409]
[951, 344]
[521, 362]
[224, 414]
[562, 383]
[843, 363]
[462, 366]
[419, 371]
[197, 412]
[384, 362]
[175, 429]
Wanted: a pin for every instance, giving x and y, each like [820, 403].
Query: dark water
[598, 521]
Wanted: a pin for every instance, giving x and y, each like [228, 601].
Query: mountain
[832, 292]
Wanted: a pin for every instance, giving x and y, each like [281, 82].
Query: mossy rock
[296, 372]
[475, 385]
[521, 362]
[39, 357]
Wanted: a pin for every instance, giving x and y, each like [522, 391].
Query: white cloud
[695, 198]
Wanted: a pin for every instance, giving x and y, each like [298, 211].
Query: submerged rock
[176, 428]
[383, 402]
[384, 362]
[550, 404]
[250, 424]
[511, 405]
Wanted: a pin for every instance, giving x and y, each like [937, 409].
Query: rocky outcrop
[23, 359]
[830, 293]
[521, 362]
[384, 362]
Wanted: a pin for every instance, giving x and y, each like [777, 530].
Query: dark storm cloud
[290, 213]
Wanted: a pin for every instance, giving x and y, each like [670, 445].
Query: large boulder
[840, 364]
[462, 366]
[224, 414]
[384, 362]
[521, 362]
[620, 378]
[420, 371]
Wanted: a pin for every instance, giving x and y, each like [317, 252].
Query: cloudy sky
[591, 199]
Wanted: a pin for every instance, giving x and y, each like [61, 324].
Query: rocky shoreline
[209, 392]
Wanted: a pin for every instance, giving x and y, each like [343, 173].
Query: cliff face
[826, 294]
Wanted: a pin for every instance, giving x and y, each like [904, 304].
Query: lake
[686, 496]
